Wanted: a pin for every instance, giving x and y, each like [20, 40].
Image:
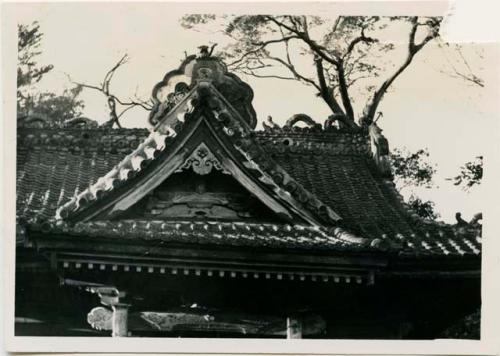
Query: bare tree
[112, 100]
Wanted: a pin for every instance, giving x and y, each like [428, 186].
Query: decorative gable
[189, 196]
[202, 161]
[204, 134]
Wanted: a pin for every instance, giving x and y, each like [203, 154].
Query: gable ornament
[202, 161]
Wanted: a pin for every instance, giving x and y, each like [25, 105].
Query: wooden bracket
[102, 318]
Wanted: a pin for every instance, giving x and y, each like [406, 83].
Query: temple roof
[337, 166]
[332, 186]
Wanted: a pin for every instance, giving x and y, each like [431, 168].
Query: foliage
[333, 56]
[424, 209]
[190, 21]
[471, 174]
[29, 41]
[57, 108]
[411, 169]
[341, 59]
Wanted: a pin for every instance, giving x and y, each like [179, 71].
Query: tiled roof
[263, 235]
[126, 169]
[218, 233]
[54, 164]
[205, 103]
[336, 180]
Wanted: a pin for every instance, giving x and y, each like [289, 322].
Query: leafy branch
[471, 174]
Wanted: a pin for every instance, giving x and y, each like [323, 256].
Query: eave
[362, 266]
[70, 252]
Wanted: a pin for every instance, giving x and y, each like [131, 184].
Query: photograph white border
[468, 20]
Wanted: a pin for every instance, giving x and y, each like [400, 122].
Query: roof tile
[345, 180]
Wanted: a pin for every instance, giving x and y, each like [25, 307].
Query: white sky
[424, 108]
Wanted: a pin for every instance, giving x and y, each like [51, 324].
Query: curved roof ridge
[242, 137]
[134, 162]
[284, 187]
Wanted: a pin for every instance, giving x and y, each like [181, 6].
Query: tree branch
[278, 40]
[144, 104]
[262, 45]
[344, 93]
[336, 23]
[296, 75]
[295, 23]
[252, 73]
[473, 79]
[125, 110]
[413, 49]
[325, 92]
[361, 39]
[470, 76]
[305, 37]
[83, 85]
[111, 72]
[112, 99]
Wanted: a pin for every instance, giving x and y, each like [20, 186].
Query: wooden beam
[179, 320]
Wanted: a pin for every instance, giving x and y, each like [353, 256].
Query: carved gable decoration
[202, 161]
[214, 196]
[204, 134]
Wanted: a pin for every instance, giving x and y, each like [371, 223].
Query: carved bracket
[100, 318]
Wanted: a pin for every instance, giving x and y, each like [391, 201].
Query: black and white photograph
[247, 173]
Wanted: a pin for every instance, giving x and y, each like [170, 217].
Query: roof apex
[194, 70]
[204, 115]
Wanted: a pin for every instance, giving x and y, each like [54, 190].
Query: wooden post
[120, 320]
[293, 328]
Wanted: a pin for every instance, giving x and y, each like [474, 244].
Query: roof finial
[205, 52]
[460, 221]
[269, 124]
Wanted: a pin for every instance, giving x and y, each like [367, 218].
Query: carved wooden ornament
[100, 318]
[202, 161]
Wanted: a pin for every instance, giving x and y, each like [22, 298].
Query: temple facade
[204, 226]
